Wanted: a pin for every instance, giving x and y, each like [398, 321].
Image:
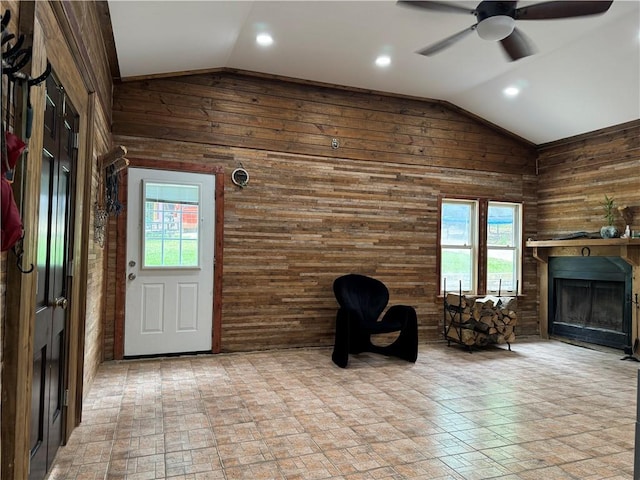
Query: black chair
[362, 300]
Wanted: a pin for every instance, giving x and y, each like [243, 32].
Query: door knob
[59, 302]
[132, 276]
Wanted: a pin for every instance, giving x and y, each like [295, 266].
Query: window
[503, 246]
[458, 245]
[480, 256]
[171, 225]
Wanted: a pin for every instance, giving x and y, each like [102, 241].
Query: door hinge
[70, 268]
[65, 399]
[76, 140]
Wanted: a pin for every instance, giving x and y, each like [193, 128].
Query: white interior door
[170, 258]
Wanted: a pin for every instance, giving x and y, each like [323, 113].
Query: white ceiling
[585, 76]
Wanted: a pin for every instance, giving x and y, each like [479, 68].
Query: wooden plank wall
[262, 113]
[95, 301]
[69, 35]
[310, 212]
[575, 174]
[12, 6]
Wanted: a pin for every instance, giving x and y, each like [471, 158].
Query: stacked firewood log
[480, 321]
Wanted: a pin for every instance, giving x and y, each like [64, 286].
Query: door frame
[43, 22]
[121, 246]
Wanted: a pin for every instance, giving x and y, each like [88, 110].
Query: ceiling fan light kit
[496, 28]
[496, 21]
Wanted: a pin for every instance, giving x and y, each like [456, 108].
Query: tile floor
[546, 410]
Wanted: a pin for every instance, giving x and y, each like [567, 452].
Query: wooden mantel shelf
[583, 242]
[626, 248]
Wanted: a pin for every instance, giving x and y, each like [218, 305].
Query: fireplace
[590, 300]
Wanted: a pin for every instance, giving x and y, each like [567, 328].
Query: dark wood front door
[55, 236]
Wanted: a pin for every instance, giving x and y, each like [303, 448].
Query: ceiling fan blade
[447, 42]
[436, 6]
[550, 10]
[517, 45]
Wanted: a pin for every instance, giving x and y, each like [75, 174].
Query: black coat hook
[19, 253]
[17, 62]
[42, 77]
[5, 18]
[15, 48]
[6, 36]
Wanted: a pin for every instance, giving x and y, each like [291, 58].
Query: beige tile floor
[546, 410]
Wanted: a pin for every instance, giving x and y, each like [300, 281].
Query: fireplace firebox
[590, 300]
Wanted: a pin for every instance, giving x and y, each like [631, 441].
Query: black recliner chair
[362, 300]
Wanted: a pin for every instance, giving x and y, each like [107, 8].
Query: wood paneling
[312, 213]
[5, 257]
[244, 111]
[83, 21]
[576, 174]
[65, 34]
[95, 301]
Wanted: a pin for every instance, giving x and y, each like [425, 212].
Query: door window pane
[171, 225]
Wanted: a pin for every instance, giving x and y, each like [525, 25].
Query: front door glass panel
[170, 237]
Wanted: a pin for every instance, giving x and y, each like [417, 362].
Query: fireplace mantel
[625, 248]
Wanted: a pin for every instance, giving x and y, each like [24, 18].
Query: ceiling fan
[496, 21]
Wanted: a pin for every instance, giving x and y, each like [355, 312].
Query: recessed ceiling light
[511, 91]
[264, 39]
[383, 61]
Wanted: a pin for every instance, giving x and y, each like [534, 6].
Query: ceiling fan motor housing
[488, 9]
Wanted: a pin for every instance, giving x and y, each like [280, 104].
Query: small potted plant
[609, 230]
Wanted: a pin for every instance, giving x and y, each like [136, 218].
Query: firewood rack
[453, 321]
[455, 328]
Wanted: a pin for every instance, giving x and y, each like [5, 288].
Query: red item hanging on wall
[11, 222]
[15, 147]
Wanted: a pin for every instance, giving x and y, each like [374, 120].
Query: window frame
[473, 247]
[480, 256]
[516, 248]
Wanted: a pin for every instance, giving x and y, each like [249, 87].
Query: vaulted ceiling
[585, 75]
